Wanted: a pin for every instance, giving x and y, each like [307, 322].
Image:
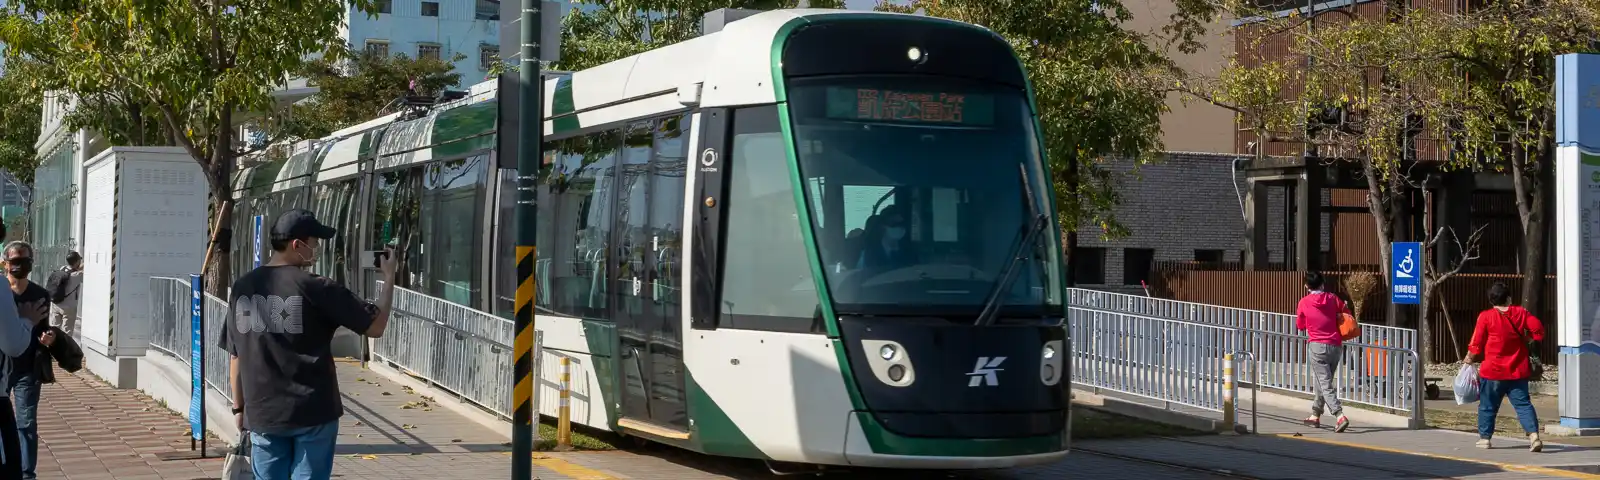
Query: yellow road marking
[1512, 467]
[577, 472]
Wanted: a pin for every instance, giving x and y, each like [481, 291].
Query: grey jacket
[15, 334]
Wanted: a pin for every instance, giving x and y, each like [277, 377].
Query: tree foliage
[358, 87]
[1478, 83]
[597, 31]
[21, 109]
[201, 65]
[1101, 86]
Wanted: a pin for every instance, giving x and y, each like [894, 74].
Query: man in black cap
[279, 332]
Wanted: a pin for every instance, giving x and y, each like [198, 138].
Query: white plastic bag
[1466, 387]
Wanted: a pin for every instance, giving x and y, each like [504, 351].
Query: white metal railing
[465, 351]
[1379, 367]
[1167, 360]
[170, 329]
[1254, 320]
[1374, 375]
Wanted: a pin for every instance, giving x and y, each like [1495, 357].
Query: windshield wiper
[1029, 237]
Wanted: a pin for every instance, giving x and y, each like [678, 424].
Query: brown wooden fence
[1452, 315]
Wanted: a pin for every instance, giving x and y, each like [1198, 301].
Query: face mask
[19, 271]
[307, 256]
[895, 233]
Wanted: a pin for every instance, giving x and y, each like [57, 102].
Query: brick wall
[1184, 203]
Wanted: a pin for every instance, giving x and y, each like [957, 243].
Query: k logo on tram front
[984, 372]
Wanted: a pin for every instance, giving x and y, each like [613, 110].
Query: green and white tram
[814, 236]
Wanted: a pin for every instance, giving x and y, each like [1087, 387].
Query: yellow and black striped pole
[530, 141]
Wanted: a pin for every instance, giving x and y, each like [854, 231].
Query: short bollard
[564, 419]
[1228, 387]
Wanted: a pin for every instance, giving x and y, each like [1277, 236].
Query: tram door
[646, 273]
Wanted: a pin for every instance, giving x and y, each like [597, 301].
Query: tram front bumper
[894, 451]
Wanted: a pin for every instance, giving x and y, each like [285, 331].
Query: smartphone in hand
[373, 258]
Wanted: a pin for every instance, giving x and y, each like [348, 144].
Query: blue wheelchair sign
[1406, 273]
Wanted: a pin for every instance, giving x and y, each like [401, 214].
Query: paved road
[93, 432]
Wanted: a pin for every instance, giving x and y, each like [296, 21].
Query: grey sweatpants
[1324, 361]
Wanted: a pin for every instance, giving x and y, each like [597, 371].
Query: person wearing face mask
[280, 326]
[15, 339]
[885, 245]
[32, 368]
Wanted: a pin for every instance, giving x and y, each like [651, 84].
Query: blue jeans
[1489, 394]
[298, 454]
[25, 392]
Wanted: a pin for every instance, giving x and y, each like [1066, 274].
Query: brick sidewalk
[87, 430]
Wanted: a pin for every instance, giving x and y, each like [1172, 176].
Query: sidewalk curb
[1356, 414]
[1510, 467]
[1108, 404]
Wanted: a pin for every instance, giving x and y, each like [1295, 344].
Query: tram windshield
[916, 193]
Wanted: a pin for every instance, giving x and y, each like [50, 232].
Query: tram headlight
[914, 54]
[897, 373]
[1052, 364]
[889, 361]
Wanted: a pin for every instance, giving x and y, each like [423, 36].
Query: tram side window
[505, 231]
[766, 274]
[332, 205]
[578, 194]
[454, 190]
[396, 212]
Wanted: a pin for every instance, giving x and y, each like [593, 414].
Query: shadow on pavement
[1257, 456]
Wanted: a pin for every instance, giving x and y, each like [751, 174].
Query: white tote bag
[237, 465]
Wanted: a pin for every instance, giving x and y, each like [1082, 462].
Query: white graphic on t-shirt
[282, 315]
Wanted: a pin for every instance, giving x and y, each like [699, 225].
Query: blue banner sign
[1405, 277]
[197, 364]
[256, 252]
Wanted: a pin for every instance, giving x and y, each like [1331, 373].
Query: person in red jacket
[1500, 343]
[1318, 316]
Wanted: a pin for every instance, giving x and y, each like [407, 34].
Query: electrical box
[145, 211]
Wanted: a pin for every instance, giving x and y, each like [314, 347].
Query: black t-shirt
[28, 307]
[281, 323]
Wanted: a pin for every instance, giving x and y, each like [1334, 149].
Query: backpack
[57, 285]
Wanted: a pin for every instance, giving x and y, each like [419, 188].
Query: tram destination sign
[906, 106]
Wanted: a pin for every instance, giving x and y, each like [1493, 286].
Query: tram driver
[887, 245]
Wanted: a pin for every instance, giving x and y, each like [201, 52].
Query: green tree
[202, 65]
[615, 29]
[1505, 51]
[1480, 79]
[358, 87]
[21, 110]
[1477, 82]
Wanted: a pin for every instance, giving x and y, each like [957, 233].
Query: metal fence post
[1419, 418]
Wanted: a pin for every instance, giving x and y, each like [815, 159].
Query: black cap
[300, 224]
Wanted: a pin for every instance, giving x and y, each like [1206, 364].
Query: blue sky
[860, 4]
